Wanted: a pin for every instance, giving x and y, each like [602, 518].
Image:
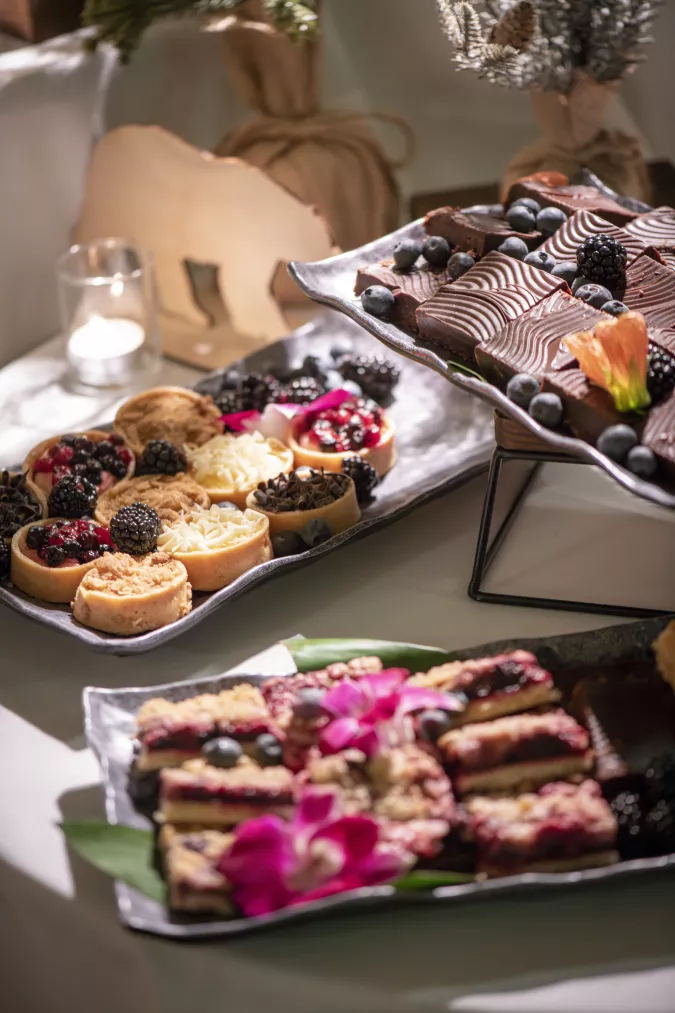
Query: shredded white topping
[238, 461]
[208, 530]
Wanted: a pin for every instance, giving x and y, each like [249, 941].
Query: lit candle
[105, 351]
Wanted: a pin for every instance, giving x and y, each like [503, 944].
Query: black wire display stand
[488, 548]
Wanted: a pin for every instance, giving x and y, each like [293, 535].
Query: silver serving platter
[620, 653]
[331, 282]
[444, 438]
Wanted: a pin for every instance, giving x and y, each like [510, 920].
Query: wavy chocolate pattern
[667, 255]
[571, 199]
[656, 228]
[564, 243]
[659, 432]
[650, 290]
[458, 321]
[421, 283]
[496, 272]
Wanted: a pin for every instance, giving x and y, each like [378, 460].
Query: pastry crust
[200, 793]
[169, 495]
[126, 595]
[176, 414]
[525, 776]
[54, 584]
[239, 463]
[215, 568]
[342, 514]
[34, 482]
[382, 457]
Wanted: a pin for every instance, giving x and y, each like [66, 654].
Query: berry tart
[169, 495]
[103, 459]
[127, 595]
[230, 467]
[291, 501]
[190, 863]
[174, 414]
[217, 545]
[358, 426]
[50, 557]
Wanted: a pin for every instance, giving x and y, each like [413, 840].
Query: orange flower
[614, 356]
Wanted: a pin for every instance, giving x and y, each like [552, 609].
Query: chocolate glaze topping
[480, 233]
[656, 228]
[571, 199]
[563, 244]
[650, 290]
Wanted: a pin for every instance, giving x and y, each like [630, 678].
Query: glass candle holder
[109, 315]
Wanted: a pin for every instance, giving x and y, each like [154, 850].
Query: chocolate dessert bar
[563, 244]
[494, 686]
[410, 288]
[475, 232]
[522, 749]
[560, 828]
[570, 199]
[215, 796]
[588, 409]
[170, 733]
[532, 343]
[659, 433]
[190, 860]
[650, 290]
[655, 228]
[475, 308]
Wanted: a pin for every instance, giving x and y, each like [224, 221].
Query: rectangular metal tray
[618, 657]
[444, 438]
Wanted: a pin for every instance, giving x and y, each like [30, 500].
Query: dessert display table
[609, 948]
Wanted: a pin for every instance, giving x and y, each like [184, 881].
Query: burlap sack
[574, 137]
[331, 160]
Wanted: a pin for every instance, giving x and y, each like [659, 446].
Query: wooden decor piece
[183, 204]
[37, 20]
[512, 436]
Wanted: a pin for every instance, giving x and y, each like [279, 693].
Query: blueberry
[407, 253]
[268, 750]
[549, 220]
[579, 283]
[223, 752]
[522, 388]
[614, 307]
[521, 218]
[378, 301]
[333, 380]
[307, 704]
[434, 723]
[567, 270]
[288, 543]
[316, 532]
[514, 247]
[225, 504]
[436, 251]
[616, 441]
[71, 548]
[36, 537]
[594, 295]
[527, 202]
[539, 258]
[459, 264]
[642, 462]
[351, 386]
[546, 409]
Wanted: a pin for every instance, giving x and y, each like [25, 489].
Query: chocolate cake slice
[570, 199]
[655, 228]
[475, 232]
[190, 859]
[559, 828]
[659, 433]
[410, 288]
[588, 409]
[563, 244]
[215, 796]
[650, 290]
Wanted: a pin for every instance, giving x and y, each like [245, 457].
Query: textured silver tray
[331, 282]
[619, 653]
[444, 438]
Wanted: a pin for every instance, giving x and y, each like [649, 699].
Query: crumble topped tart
[280, 691]
[190, 858]
[176, 414]
[170, 496]
[230, 467]
[200, 793]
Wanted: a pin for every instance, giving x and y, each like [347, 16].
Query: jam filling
[536, 748]
[356, 425]
[103, 464]
[191, 738]
[509, 677]
[225, 793]
[67, 543]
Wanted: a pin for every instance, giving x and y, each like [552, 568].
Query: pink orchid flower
[278, 420]
[273, 864]
[375, 711]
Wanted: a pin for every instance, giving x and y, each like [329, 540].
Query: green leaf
[312, 655]
[122, 852]
[429, 879]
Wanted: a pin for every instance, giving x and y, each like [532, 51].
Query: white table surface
[605, 949]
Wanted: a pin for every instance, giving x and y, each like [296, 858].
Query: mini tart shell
[343, 513]
[382, 457]
[138, 611]
[95, 435]
[54, 584]
[239, 495]
[113, 500]
[130, 425]
[211, 571]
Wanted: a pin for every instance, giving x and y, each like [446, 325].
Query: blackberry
[114, 464]
[363, 475]
[302, 390]
[227, 401]
[660, 826]
[375, 375]
[5, 559]
[660, 777]
[135, 529]
[628, 810]
[255, 392]
[72, 497]
[161, 458]
[91, 469]
[603, 260]
[36, 536]
[660, 373]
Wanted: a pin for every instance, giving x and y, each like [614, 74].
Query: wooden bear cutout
[149, 186]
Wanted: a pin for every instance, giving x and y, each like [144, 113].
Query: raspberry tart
[290, 502]
[50, 557]
[217, 545]
[127, 595]
[200, 793]
[358, 426]
[190, 861]
[230, 467]
[101, 458]
[180, 416]
[169, 495]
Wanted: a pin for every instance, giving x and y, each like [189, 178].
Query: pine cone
[516, 28]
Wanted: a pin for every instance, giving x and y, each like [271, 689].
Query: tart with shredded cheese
[229, 467]
[170, 496]
[175, 414]
[217, 545]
